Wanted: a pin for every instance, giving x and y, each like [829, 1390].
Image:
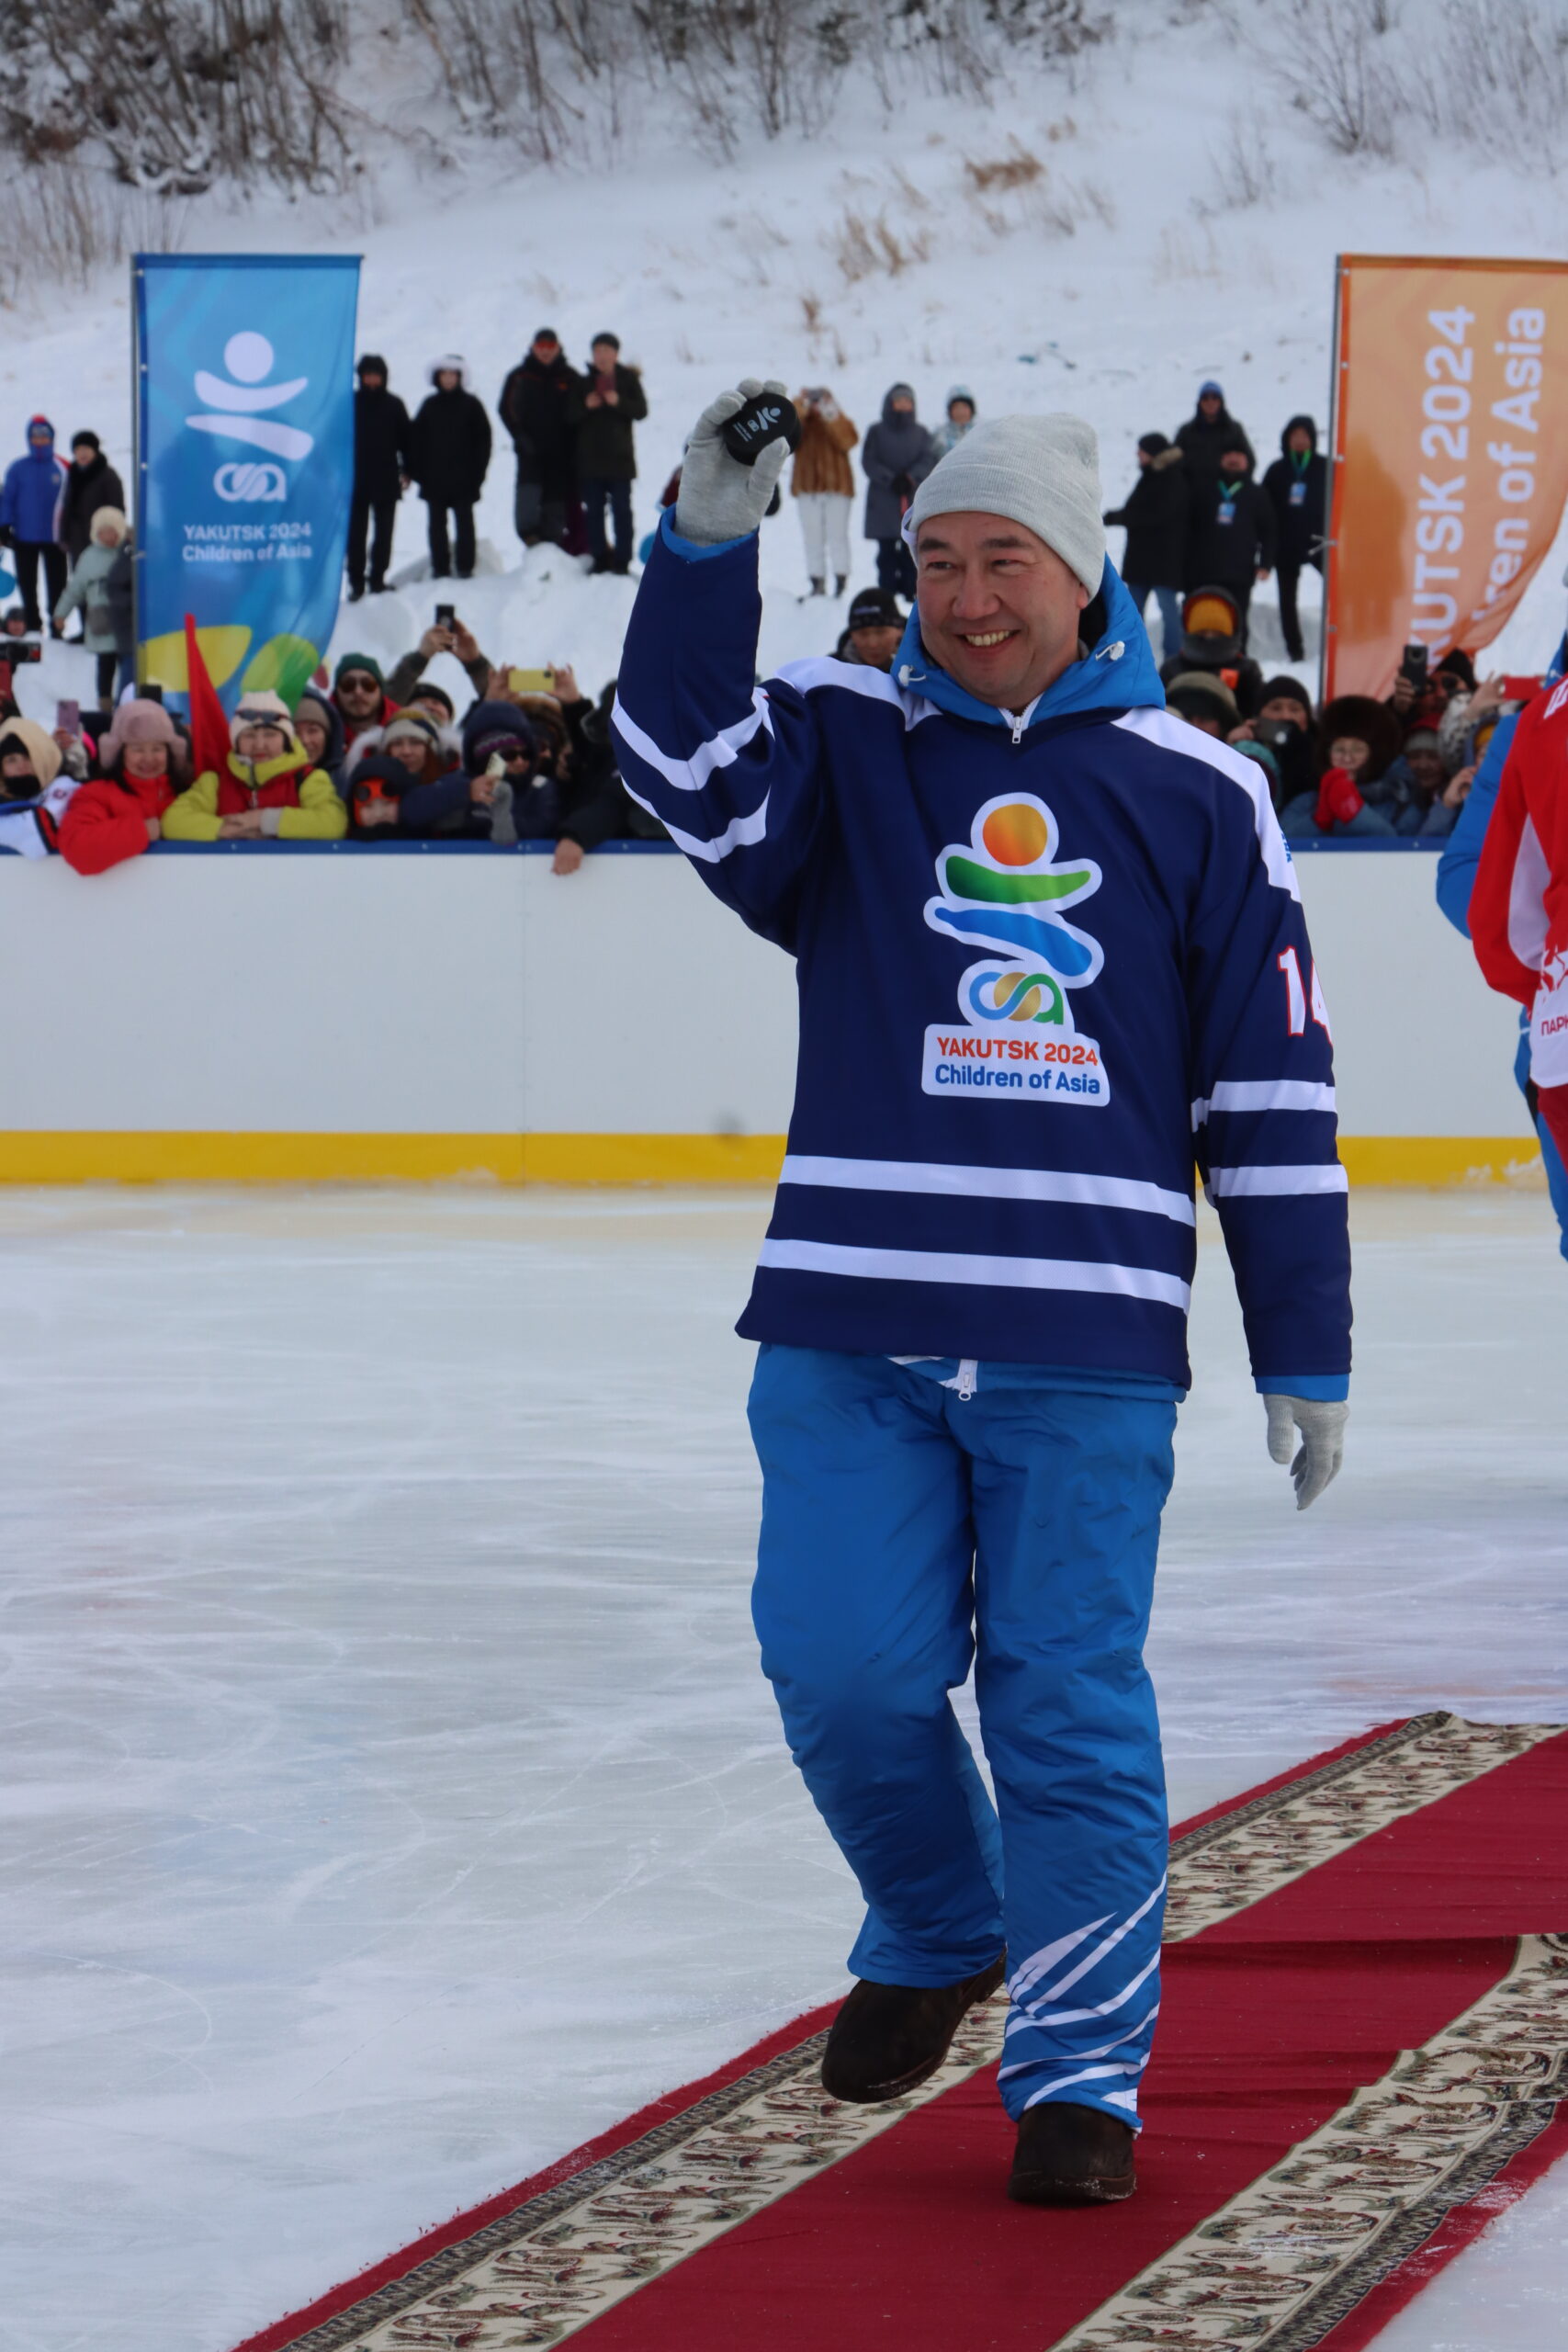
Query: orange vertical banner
[1450, 455]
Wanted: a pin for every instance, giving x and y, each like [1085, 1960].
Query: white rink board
[474, 994]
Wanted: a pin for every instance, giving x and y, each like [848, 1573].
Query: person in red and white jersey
[1518, 911]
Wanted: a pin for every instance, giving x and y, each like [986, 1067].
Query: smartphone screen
[444, 616]
[68, 718]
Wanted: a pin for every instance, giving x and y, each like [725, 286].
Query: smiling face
[408, 752]
[999, 608]
[145, 760]
[261, 742]
[1349, 752]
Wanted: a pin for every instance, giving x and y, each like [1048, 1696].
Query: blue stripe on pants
[905, 1531]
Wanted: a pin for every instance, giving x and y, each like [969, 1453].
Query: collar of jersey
[1117, 673]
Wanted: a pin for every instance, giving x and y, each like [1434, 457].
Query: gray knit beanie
[1042, 472]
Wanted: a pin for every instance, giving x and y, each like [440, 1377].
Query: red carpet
[1338, 1918]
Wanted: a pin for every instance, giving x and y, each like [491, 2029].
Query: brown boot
[1071, 2155]
[888, 2037]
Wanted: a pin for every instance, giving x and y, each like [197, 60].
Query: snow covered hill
[1097, 235]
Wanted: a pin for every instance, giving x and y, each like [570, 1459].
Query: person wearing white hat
[267, 791]
[1050, 949]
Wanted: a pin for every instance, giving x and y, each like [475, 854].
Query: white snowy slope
[1112, 284]
[394, 1800]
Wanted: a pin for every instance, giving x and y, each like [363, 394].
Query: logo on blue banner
[244, 463]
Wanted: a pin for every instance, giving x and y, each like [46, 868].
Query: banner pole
[1339, 361]
[137, 465]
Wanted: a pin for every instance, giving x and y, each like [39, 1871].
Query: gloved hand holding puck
[722, 496]
[766, 415]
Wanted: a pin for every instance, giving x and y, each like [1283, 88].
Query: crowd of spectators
[377, 759]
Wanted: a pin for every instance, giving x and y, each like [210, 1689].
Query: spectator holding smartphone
[823, 487]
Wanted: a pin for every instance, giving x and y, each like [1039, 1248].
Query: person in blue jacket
[1050, 949]
[29, 518]
[1456, 879]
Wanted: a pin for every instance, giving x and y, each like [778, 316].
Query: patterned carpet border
[1283, 2263]
[588, 2241]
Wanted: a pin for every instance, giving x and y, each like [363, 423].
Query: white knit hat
[1042, 472]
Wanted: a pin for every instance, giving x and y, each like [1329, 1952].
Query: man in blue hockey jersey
[1050, 949]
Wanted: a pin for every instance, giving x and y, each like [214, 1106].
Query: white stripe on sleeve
[1225, 1183]
[955, 1266]
[989, 1184]
[736, 834]
[720, 750]
[1173, 734]
[1264, 1094]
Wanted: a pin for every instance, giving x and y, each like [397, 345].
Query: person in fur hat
[118, 813]
[450, 457]
[267, 791]
[1362, 739]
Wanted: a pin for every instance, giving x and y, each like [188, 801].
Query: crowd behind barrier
[375, 759]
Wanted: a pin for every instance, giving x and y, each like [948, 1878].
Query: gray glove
[502, 823]
[719, 498]
[1322, 1426]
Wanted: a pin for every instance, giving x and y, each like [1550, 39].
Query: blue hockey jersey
[1045, 962]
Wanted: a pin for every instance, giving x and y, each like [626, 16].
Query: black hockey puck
[766, 417]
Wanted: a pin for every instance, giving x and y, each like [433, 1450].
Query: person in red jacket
[119, 813]
[1519, 907]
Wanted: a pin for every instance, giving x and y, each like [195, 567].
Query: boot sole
[874, 2095]
[1036, 2189]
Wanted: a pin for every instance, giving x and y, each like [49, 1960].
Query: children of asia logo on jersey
[1007, 890]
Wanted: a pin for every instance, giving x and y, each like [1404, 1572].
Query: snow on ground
[395, 1798]
[1112, 285]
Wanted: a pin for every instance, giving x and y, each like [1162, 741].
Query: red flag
[208, 727]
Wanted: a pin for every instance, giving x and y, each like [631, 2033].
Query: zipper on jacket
[968, 1375]
[1017, 729]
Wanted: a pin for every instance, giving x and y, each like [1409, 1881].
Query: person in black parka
[1155, 519]
[607, 404]
[538, 407]
[451, 457]
[1230, 534]
[1208, 433]
[1296, 485]
[383, 449]
[90, 482]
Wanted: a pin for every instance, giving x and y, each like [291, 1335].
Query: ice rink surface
[393, 1801]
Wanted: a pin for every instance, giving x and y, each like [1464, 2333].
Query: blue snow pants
[906, 1532]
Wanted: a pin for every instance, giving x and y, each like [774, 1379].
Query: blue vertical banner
[244, 463]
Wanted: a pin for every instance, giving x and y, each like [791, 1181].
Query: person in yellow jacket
[269, 791]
